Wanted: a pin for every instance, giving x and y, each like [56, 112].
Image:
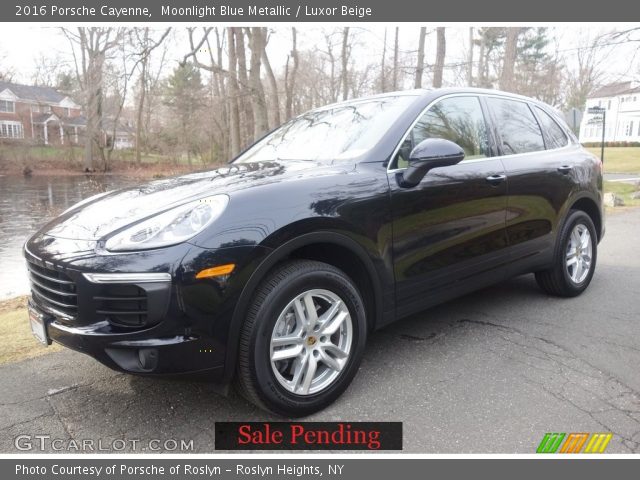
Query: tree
[184, 93]
[291, 74]
[441, 50]
[587, 73]
[396, 50]
[6, 73]
[257, 44]
[344, 74]
[91, 48]
[470, 59]
[420, 62]
[507, 79]
[145, 44]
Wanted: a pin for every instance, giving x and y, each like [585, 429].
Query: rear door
[540, 179]
[449, 230]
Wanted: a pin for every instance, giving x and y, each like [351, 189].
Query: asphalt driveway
[490, 372]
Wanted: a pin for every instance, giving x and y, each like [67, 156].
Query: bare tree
[470, 59]
[441, 50]
[257, 43]
[510, 53]
[344, 74]
[383, 67]
[291, 73]
[145, 45]
[6, 73]
[420, 62]
[91, 47]
[396, 53]
[273, 86]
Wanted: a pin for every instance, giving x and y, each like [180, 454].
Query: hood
[96, 219]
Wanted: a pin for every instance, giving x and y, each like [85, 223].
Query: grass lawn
[620, 159]
[623, 190]
[18, 343]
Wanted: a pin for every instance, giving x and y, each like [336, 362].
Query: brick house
[39, 115]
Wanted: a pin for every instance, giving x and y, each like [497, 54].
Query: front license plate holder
[38, 321]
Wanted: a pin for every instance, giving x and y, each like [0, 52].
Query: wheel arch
[589, 206]
[333, 248]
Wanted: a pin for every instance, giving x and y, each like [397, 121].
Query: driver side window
[459, 119]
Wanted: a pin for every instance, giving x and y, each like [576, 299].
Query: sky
[22, 45]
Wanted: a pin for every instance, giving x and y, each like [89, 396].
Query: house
[621, 102]
[39, 115]
[119, 133]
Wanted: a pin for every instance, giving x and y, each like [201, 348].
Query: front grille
[122, 305]
[53, 289]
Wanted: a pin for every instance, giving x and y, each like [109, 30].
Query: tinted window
[458, 119]
[518, 129]
[557, 137]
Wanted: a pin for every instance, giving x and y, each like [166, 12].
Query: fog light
[148, 358]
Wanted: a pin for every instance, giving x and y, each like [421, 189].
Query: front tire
[303, 339]
[574, 258]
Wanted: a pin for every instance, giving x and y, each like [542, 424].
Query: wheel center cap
[311, 340]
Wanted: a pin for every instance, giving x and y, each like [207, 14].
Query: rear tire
[303, 339]
[575, 257]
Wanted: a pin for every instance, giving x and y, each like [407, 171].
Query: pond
[27, 203]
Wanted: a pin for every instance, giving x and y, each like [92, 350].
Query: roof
[615, 89]
[30, 92]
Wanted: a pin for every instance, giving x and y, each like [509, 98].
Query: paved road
[491, 372]
[633, 178]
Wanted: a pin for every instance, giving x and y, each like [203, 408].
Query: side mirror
[428, 154]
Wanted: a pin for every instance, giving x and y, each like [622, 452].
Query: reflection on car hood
[120, 208]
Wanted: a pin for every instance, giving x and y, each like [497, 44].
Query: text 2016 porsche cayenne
[271, 272]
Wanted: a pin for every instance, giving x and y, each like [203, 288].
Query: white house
[622, 104]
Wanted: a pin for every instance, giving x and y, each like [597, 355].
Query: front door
[449, 230]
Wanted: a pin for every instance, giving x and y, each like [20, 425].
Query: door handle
[565, 169]
[496, 179]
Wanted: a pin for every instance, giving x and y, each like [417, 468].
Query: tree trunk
[420, 63]
[441, 50]
[260, 116]
[234, 114]
[510, 54]
[395, 61]
[383, 73]
[345, 62]
[141, 98]
[273, 86]
[291, 77]
[470, 70]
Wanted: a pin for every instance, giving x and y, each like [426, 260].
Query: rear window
[556, 136]
[517, 127]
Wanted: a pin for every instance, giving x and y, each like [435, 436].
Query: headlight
[170, 227]
[86, 200]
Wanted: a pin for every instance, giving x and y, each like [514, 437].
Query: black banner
[370, 436]
[313, 11]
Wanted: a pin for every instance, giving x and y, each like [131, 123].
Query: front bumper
[168, 324]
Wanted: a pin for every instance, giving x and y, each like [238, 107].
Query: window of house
[518, 128]
[631, 128]
[11, 130]
[458, 119]
[557, 137]
[7, 106]
[609, 105]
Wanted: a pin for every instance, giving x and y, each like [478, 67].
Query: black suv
[271, 271]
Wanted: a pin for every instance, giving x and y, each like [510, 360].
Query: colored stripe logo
[574, 442]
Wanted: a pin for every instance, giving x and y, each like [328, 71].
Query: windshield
[339, 132]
